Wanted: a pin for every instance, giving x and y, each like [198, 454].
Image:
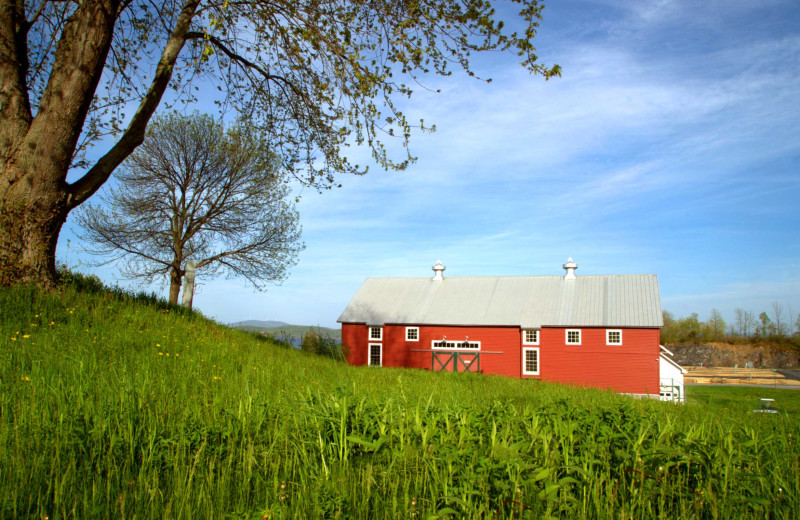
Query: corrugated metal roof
[523, 301]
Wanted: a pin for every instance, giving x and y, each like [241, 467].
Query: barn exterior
[599, 331]
[671, 378]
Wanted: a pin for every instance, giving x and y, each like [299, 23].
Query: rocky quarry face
[727, 355]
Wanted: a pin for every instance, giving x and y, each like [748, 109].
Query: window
[573, 336]
[531, 337]
[530, 361]
[456, 345]
[375, 354]
[376, 333]
[412, 333]
[613, 337]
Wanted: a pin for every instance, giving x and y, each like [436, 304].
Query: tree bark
[174, 285]
[30, 222]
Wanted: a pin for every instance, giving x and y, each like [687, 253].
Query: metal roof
[520, 301]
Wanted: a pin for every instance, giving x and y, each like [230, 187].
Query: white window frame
[408, 329]
[455, 345]
[525, 337]
[380, 334]
[369, 353]
[524, 364]
[566, 337]
[608, 335]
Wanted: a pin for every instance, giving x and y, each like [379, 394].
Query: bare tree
[797, 325]
[750, 323]
[196, 191]
[313, 76]
[777, 314]
[739, 316]
[716, 325]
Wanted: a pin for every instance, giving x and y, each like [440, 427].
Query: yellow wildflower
[160, 353]
[158, 345]
[25, 378]
[13, 339]
[167, 354]
[26, 336]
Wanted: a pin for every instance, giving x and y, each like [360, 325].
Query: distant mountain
[281, 329]
[259, 323]
[298, 331]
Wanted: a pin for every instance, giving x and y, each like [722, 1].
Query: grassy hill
[114, 406]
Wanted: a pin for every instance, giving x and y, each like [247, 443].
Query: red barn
[600, 331]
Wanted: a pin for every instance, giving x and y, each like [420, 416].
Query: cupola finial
[438, 269]
[570, 267]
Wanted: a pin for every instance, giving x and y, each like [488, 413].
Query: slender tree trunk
[174, 285]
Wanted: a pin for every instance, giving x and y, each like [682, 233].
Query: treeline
[779, 326]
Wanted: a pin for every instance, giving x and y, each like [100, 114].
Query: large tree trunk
[31, 215]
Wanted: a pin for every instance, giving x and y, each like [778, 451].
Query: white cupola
[438, 269]
[570, 267]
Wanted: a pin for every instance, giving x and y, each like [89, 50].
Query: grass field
[113, 406]
[725, 399]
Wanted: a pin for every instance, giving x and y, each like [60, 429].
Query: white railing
[672, 390]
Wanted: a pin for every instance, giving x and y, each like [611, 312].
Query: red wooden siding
[632, 367]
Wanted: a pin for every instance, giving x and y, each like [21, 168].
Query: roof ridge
[507, 276]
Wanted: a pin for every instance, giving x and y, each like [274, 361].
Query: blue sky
[671, 145]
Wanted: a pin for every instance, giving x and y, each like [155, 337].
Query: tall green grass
[115, 406]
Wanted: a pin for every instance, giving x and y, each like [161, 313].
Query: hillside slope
[113, 406]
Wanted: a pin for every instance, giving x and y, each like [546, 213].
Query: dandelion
[52, 323]
[25, 378]
[158, 345]
[167, 354]
[176, 354]
[13, 339]
[26, 336]
[35, 315]
[160, 353]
